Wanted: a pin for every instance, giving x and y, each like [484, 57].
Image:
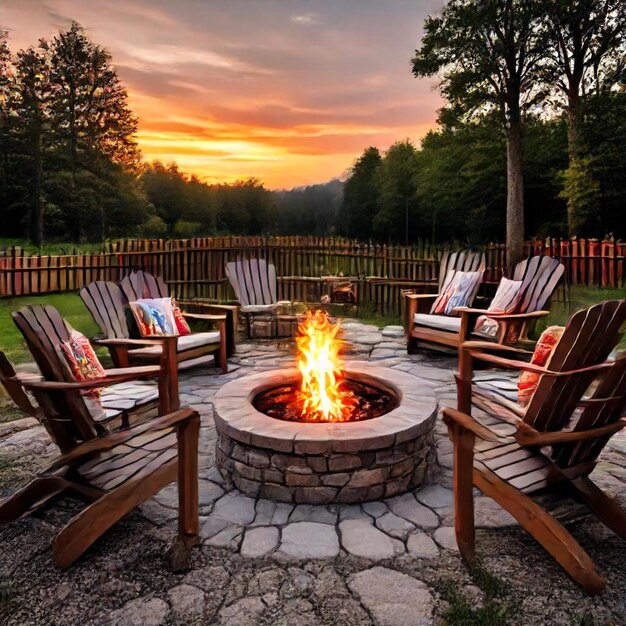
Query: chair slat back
[14, 389]
[143, 285]
[588, 339]
[253, 280]
[540, 276]
[106, 303]
[67, 417]
[459, 261]
[608, 404]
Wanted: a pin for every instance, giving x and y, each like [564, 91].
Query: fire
[321, 396]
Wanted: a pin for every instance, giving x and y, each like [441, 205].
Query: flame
[321, 396]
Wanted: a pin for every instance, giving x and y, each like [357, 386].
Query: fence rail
[194, 268]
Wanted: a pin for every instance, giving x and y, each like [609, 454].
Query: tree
[461, 182]
[91, 115]
[361, 201]
[30, 126]
[489, 52]
[397, 218]
[587, 55]
[165, 187]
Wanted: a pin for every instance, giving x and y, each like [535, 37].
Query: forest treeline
[70, 169]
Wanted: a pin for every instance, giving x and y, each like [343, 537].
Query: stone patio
[263, 562]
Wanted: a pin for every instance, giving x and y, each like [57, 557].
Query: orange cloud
[231, 89]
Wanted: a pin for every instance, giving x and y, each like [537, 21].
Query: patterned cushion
[505, 301]
[81, 360]
[459, 292]
[544, 349]
[154, 316]
[181, 323]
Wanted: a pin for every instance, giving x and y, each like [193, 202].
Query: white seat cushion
[440, 322]
[185, 342]
[259, 308]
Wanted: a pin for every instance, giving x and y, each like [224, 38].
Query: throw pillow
[528, 381]
[459, 292]
[181, 323]
[154, 316]
[81, 360]
[505, 301]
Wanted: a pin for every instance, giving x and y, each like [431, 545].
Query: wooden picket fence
[194, 268]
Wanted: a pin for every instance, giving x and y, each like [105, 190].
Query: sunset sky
[289, 91]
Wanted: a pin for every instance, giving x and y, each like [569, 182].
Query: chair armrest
[476, 346]
[516, 316]
[529, 367]
[112, 376]
[111, 440]
[123, 341]
[421, 296]
[452, 416]
[205, 316]
[468, 310]
[528, 436]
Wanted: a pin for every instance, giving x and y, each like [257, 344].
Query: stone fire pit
[325, 462]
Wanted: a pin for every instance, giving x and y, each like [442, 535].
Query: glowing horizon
[272, 90]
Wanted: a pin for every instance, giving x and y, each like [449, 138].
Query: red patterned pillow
[544, 349]
[179, 318]
[82, 360]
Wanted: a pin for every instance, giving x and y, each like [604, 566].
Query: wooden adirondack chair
[255, 285]
[126, 396]
[140, 284]
[511, 454]
[122, 403]
[13, 384]
[444, 327]
[539, 275]
[113, 473]
[107, 304]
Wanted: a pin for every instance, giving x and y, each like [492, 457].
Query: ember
[367, 402]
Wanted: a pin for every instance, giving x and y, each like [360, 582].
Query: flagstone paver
[259, 541]
[299, 551]
[308, 540]
[394, 599]
[360, 538]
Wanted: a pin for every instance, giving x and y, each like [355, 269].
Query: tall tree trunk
[573, 149]
[514, 192]
[38, 208]
[77, 227]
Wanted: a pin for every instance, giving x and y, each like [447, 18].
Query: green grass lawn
[53, 249]
[580, 297]
[69, 304]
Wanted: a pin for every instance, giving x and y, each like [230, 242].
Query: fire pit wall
[322, 463]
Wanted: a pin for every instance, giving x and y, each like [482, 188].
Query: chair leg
[550, 533]
[411, 344]
[97, 518]
[463, 497]
[607, 510]
[31, 497]
[188, 517]
[222, 354]
[188, 434]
